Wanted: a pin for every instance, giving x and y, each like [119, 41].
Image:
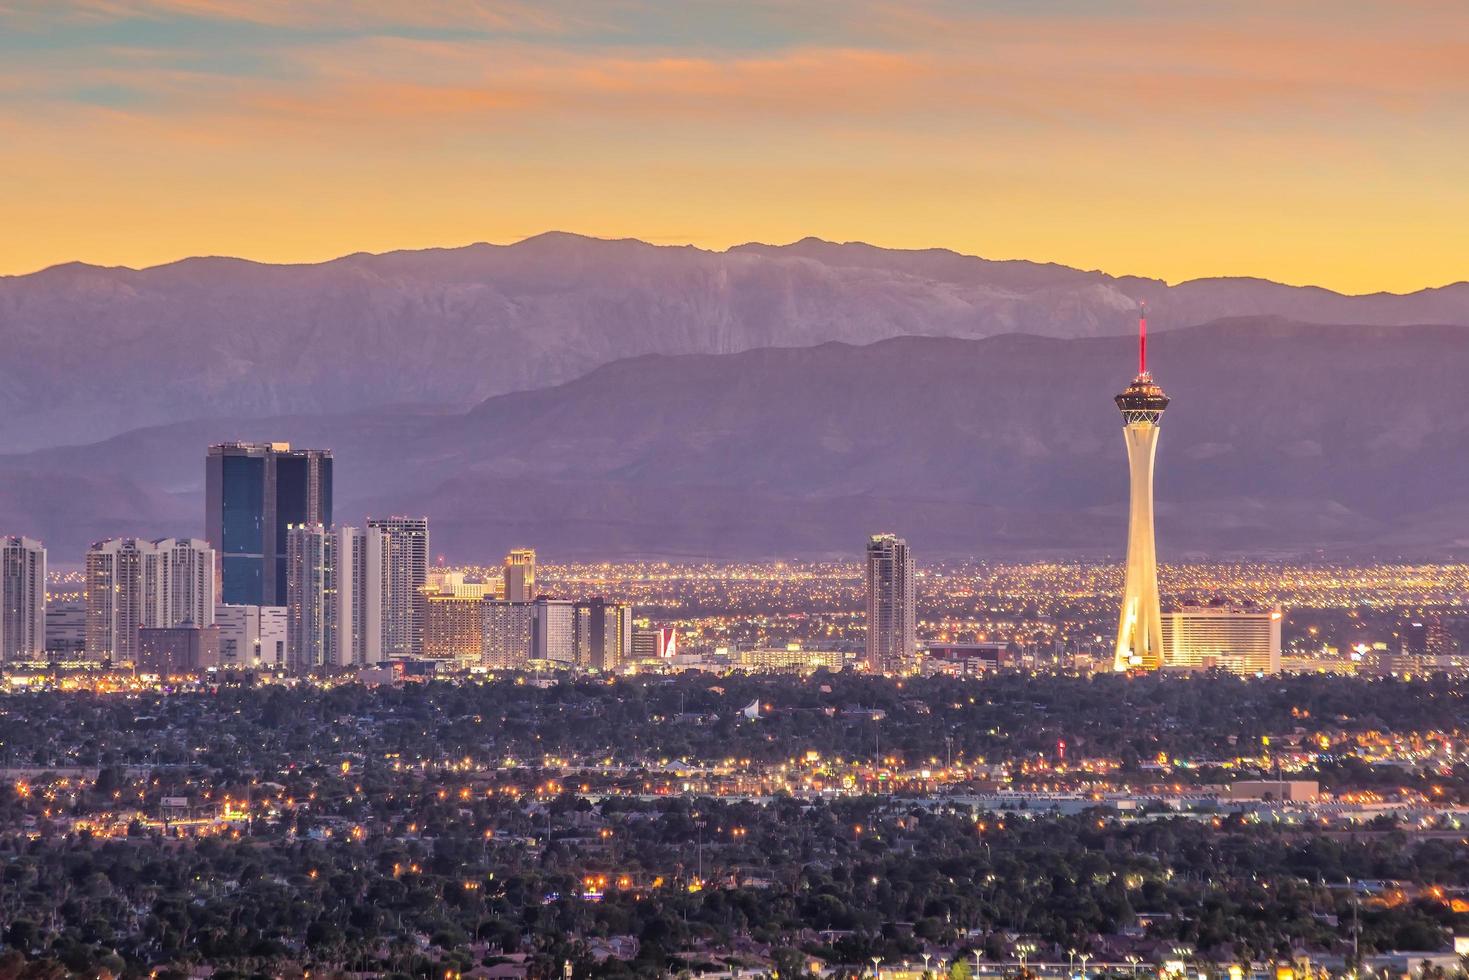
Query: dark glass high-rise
[252, 493]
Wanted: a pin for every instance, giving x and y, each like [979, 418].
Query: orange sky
[1306, 142]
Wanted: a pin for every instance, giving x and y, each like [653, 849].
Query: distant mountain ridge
[1283, 439]
[91, 351]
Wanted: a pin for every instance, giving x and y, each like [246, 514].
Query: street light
[1024, 950]
[876, 960]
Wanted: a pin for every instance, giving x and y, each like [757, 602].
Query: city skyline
[660, 513]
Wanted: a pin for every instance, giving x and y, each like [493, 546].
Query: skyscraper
[892, 625]
[553, 631]
[1140, 625]
[506, 633]
[542, 633]
[115, 606]
[405, 602]
[311, 599]
[452, 627]
[603, 634]
[252, 493]
[364, 586]
[178, 583]
[520, 575]
[22, 599]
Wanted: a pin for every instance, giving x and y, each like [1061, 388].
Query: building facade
[311, 600]
[178, 582]
[66, 629]
[1239, 639]
[792, 658]
[115, 606]
[892, 624]
[520, 575]
[553, 632]
[364, 586]
[452, 625]
[22, 599]
[1140, 628]
[658, 643]
[404, 604]
[603, 634]
[253, 492]
[251, 637]
[170, 650]
[964, 659]
[505, 633]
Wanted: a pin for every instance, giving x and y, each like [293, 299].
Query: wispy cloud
[913, 62]
[512, 16]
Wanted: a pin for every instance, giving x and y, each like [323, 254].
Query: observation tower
[1140, 626]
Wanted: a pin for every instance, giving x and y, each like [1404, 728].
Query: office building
[178, 582]
[311, 600]
[171, 650]
[66, 629]
[363, 596]
[892, 624]
[520, 575]
[505, 633]
[1139, 628]
[659, 643]
[451, 628]
[1239, 639]
[790, 659]
[115, 606]
[251, 637]
[1427, 646]
[22, 599]
[253, 492]
[967, 659]
[603, 634]
[407, 557]
[527, 634]
[444, 582]
[553, 632]
[133, 584]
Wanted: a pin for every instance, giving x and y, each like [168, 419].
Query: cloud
[903, 65]
[512, 16]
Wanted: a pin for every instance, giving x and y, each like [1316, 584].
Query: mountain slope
[1283, 438]
[90, 352]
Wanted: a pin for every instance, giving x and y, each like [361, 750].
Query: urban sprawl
[293, 748]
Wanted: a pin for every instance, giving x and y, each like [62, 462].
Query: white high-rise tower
[892, 634]
[1140, 626]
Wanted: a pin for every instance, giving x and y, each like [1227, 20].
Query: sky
[1300, 140]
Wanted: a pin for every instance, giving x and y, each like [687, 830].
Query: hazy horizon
[720, 249]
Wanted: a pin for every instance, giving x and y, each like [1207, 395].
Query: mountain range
[1284, 439]
[92, 352]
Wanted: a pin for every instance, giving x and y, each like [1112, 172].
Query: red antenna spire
[1142, 339]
